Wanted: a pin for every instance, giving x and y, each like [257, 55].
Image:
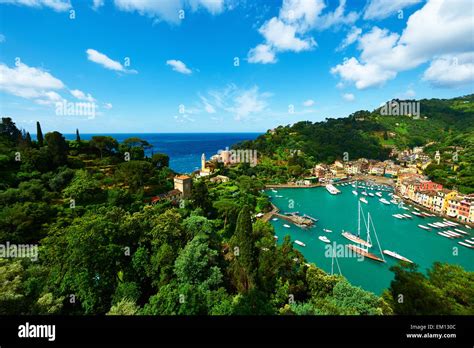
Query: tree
[39, 134]
[28, 139]
[104, 144]
[78, 137]
[245, 253]
[9, 129]
[160, 160]
[134, 173]
[196, 264]
[57, 148]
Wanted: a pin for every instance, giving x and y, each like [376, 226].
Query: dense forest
[444, 125]
[104, 249]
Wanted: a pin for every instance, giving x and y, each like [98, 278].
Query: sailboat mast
[358, 219]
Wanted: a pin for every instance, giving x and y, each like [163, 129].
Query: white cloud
[107, 106]
[289, 31]
[82, 96]
[178, 66]
[386, 54]
[56, 5]
[380, 9]
[168, 10]
[308, 103]
[282, 36]
[207, 106]
[262, 54]
[351, 37]
[348, 97]
[106, 62]
[241, 103]
[451, 71]
[363, 75]
[29, 82]
[96, 4]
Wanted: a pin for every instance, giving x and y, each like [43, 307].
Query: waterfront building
[377, 169]
[453, 207]
[183, 184]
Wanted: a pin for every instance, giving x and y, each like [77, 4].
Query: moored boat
[466, 245]
[396, 255]
[362, 199]
[327, 230]
[324, 239]
[364, 253]
[300, 243]
[287, 226]
[424, 227]
[355, 239]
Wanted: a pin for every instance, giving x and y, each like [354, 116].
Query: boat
[466, 245]
[396, 255]
[274, 191]
[424, 227]
[275, 219]
[275, 237]
[417, 214]
[355, 239]
[278, 196]
[354, 192]
[461, 231]
[468, 227]
[287, 226]
[407, 216]
[371, 194]
[364, 193]
[364, 253]
[362, 199]
[384, 201]
[433, 225]
[379, 194]
[300, 243]
[324, 239]
[326, 230]
[393, 201]
[398, 216]
[332, 189]
[445, 235]
[469, 241]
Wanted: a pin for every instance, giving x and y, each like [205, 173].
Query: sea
[184, 149]
[340, 212]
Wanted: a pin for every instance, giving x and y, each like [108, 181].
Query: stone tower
[183, 184]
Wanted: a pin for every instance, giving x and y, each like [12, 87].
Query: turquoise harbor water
[339, 212]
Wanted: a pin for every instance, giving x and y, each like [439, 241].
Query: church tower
[203, 162]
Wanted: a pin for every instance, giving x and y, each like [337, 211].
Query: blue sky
[298, 60]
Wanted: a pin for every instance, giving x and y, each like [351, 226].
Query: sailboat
[354, 238]
[365, 251]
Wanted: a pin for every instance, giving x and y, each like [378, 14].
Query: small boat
[275, 237]
[278, 196]
[287, 226]
[384, 201]
[355, 239]
[362, 199]
[371, 194]
[275, 219]
[364, 193]
[461, 231]
[445, 235]
[274, 191]
[379, 194]
[396, 255]
[324, 239]
[364, 253]
[326, 230]
[417, 214]
[468, 227]
[300, 243]
[398, 216]
[433, 225]
[354, 192]
[466, 245]
[424, 227]
[393, 201]
[408, 216]
[469, 241]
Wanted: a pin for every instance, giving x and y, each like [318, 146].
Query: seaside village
[407, 179]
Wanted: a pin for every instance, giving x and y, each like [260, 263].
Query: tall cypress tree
[39, 134]
[78, 137]
[28, 139]
[245, 262]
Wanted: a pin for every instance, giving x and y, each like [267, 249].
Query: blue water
[184, 149]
